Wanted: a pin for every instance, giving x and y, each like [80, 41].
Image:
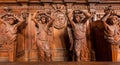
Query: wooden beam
[60, 63]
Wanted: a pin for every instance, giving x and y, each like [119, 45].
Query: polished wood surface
[60, 63]
[27, 50]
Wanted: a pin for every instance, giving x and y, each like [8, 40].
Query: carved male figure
[111, 31]
[43, 21]
[110, 21]
[79, 34]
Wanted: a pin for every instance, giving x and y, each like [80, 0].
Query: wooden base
[61, 63]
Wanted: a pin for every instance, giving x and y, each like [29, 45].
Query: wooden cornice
[60, 1]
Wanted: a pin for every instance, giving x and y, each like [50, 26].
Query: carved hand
[70, 15]
[114, 13]
[20, 19]
[87, 14]
[108, 12]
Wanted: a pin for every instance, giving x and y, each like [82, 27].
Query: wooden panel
[102, 48]
[27, 51]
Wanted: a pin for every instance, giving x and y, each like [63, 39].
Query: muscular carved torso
[112, 33]
[79, 31]
[11, 31]
[42, 32]
[111, 30]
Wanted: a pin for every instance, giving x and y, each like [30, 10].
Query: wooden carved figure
[111, 30]
[43, 22]
[12, 23]
[79, 27]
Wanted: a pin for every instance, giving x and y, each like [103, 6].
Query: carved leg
[84, 55]
[78, 50]
[85, 51]
[78, 56]
[40, 51]
[47, 52]
[12, 52]
[48, 56]
[41, 55]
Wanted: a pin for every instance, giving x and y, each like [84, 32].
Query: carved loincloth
[43, 45]
[81, 46]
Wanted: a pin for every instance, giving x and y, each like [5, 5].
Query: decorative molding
[69, 7]
[61, 1]
[93, 1]
[45, 0]
[22, 0]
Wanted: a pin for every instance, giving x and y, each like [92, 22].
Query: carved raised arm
[20, 20]
[105, 17]
[70, 17]
[1, 20]
[52, 18]
[34, 19]
[87, 16]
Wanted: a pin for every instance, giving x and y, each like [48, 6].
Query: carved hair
[7, 17]
[74, 13]
[43, 15]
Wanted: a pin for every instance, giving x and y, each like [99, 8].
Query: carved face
[43, 19]
[61, 18]
[25, 14]
[10, 21]
[113, 20]
[77, 17]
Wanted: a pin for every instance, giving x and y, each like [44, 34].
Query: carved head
[108, 9]
[11, 20]
[24, 14]
[60, 17]
[43, 18]
[77, 15]
[113, 20]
